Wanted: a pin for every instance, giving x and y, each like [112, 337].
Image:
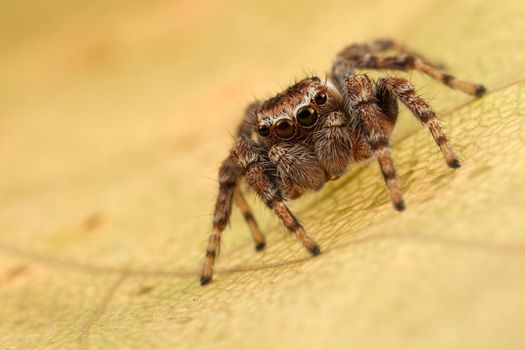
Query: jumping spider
[307, 135]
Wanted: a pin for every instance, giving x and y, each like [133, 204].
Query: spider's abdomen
[333, 144]
[298, 169]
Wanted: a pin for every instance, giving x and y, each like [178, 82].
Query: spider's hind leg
[371, 55]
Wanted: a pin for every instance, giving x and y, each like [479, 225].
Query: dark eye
[306, 116]
[284, 129]
[263, 130]
[320, 98]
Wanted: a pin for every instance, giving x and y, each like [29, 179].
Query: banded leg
[252, 158]
[403, 90]
[361, 98]
[382, 45]
[352, 57]
[223, 207]
[365, 56]
[258, 236]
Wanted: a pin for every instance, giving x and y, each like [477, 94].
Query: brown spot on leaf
[145, 290]
[15, 272]
[94, 221]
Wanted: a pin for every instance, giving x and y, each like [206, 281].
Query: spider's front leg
[253, 160]
[361, 100]
[229, 191]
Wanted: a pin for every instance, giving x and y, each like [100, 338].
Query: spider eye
[320, 98]
[306, 116]
[284, 129]
[263, 130]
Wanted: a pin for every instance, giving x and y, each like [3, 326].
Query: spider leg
[366, 56]
[403, 90]
[229, 191]
[383, 45]
[246, 130]
[361, 100]
[223, 206]
[258, 236]
[252, 159]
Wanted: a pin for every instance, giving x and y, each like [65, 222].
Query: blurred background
[114, 118]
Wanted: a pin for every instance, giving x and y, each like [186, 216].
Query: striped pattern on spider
[309, 134]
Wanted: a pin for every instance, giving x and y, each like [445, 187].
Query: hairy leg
[361, 99]
[351, 57]
[387, 102]
[403, 90]
[221, 217]
[245, 130]
[369, 56]
[252, 159]
[258, 236]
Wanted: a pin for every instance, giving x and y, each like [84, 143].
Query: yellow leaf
[115, 118]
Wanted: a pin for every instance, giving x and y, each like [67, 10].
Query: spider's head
[296, 109]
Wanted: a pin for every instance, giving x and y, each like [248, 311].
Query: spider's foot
[400, 206]
[260, 246]
[480, 90]
[315, 250]
[205, 280]
[454, 163]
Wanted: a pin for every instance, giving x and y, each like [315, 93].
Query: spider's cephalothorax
[309, 134]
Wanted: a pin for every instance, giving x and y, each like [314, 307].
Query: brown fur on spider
[307, 135]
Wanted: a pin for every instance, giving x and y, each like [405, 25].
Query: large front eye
[284, 129]
[306, 116]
